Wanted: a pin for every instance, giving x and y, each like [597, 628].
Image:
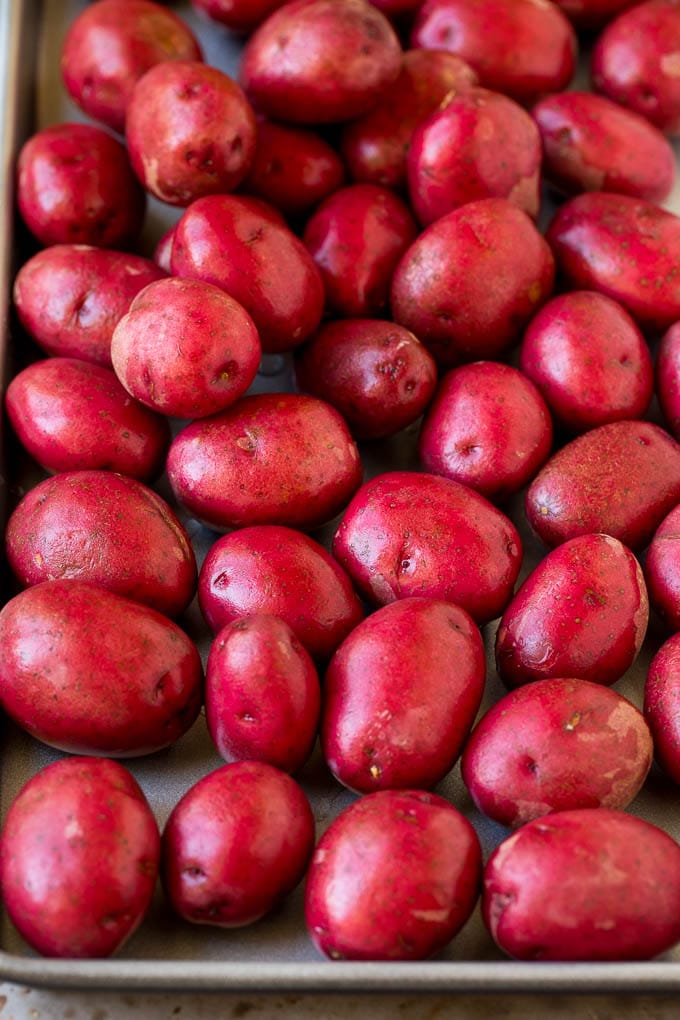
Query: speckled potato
[662, 569]
[668, 378]
[662, 705]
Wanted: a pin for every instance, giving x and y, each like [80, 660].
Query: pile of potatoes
[364, 202]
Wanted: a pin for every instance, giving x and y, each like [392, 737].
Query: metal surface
[275, 954]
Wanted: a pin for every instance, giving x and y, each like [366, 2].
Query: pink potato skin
[593, 144]
[79, 858]
[479, 144]
[579, 491]
[356, 237]
[236, 844]
[634, 62]
[668, 378]
[262, 694]
[593, 14]
[489, 34]
[487, 427]
[69, 297]
[662, 569]
[616, 244]
[185, 348]
[374, 147]
[238, 15]
[293, 168]
[589, 361]
[190, 132]
[111, 44]
[320, 61]
[242, 245]
[582, 613]
[73, 415]
[377, 374]
[556, 745]
[469, 284]
[105, 528]
[400, 696]
[279, 571]
[588, 884]
[75, 186]
[272, 458]
[662, 705]
[91, 672]
[407, 534]
[162, 253]
[394, 877]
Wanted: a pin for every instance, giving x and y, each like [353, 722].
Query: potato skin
[668, 378]
[487, 427]
[662, 569]
[462, 288]
[394, 877]
[111, 44]
[489, 34]
[239, 15]
[242, 245]
[91, 672]
[75, 185]
[105, 528]
[593, 144]
[73, 415]
[582, 612]
[320, 61]
[589, 360]
[236, 844]
[578, 491]
[275, 570]
[615, 244]
[587, 884]
[400, 696]
[79, 858]
[271, 458]
[556, 745]
[662, 705]
[406, 534]
[70, 296]
[590, 14]
[262, 694]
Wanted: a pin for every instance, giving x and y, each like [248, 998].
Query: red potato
[478, 144]
[374, 146]
[487, 427]
[489, 34]
[394, 877]
[593, 144]
[185, 348]
[162, 254]
[356, 237]
[293, 168]
[377, 374]
[238, 15]
[397, 8]
[105, 528]
[589, 360]
[662, 569]
[662, 705]
[236, 844]
[281, 572]
[400, 696]
[75, 185]
[471, 281]
[582, 613]
[243, 246]
[91, 672]
[79, 858]
[623, 247]
[621, 479]
[320, 61]
[635, 62]
[592, 14]
[668, 378]
[407, 534]
[111, 44]
[587, 884]
[72, 415]
[69, 297]
[556, 745]
[272, 458]
[262, 694]
[190, 132]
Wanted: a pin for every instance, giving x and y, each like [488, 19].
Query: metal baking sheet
[276, 953]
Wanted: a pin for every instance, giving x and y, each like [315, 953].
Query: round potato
[662, 705]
